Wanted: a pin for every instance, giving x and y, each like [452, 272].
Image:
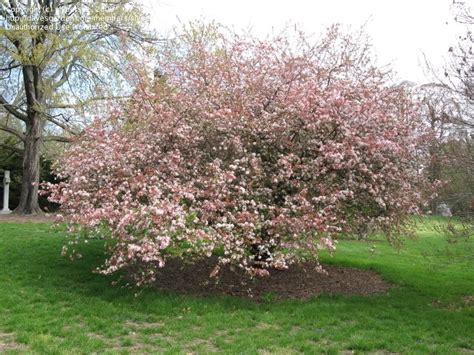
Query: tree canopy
[259, 151]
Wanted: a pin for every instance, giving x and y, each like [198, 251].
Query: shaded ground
[299, 281]
[26, 219]
[7, 343]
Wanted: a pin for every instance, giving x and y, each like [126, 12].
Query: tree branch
[12, 148]
[61, 125]
[13, 131]
[10, 67]
[57, 139]
[94, 99]
[66, 74]
[10, 108]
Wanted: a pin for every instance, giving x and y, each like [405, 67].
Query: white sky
[401, 30]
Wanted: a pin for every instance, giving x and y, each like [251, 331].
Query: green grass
[49, 304]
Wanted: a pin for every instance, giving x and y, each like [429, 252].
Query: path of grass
[51, 305]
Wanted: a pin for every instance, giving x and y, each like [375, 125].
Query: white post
[6, 192]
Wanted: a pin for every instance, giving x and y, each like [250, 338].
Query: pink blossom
[260, 149]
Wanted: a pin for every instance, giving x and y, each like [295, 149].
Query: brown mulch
[14, 218]
[298, 282]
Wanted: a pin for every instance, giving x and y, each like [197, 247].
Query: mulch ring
[298, 282]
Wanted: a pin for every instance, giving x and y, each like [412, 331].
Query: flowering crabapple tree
[259, 152]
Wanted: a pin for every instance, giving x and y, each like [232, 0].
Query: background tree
[438, 107]
[459, 72]
[448, 108]
[56, 59]
[451, 149]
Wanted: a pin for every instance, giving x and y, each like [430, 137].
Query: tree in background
[259, 151]
[56, 58]
[449, 148]
[459, 72]
[448, 106]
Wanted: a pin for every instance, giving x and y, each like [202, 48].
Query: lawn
[49, 304]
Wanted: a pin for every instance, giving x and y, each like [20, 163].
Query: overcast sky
[401, 30]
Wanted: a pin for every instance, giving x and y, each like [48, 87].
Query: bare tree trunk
[31, 170]
[32, 141]
[434, 175]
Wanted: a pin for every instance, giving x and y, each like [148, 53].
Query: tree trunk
[434, 173]
[31, 169]
[32, 141]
